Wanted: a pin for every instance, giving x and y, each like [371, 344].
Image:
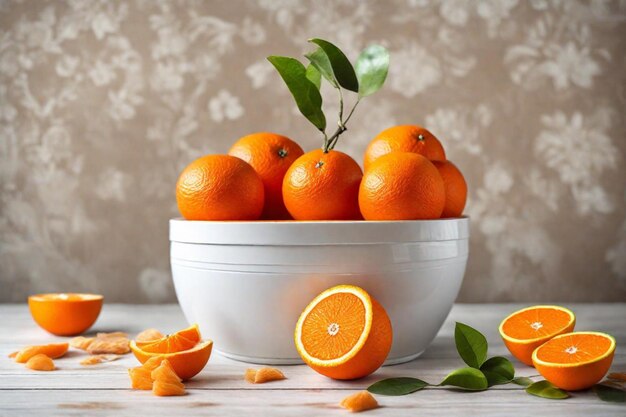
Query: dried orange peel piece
[40, 362]
[525, 330]
[114, 343]
[52, 350]
[575, 361]
[97, 359]
[361, 401]
[263, 375]
[149, 335]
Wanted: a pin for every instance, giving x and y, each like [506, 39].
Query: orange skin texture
[270, 155]
[219, 187]
[456, 189]
[186, 364]
[323, 186]
[524, 351]
[372, 354]
[65, 317]
[402, 186]
[53, 350]
[404, 138]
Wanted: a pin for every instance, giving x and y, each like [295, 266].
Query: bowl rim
[303, 233]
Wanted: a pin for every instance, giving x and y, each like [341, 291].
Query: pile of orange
[268, 176]
[544, 337]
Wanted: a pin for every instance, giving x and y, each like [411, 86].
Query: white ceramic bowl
[246, 283]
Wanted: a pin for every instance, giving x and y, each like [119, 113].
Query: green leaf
[314, 76]
[371, 69]
[306, 94]
[342, 68]
[544, 389]
[467, 378]
[397, 386]
[319, 60]
[609, 394]
[498, 370]
[522, 380]
[471, 345]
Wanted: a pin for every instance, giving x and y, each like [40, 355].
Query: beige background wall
[103, 102]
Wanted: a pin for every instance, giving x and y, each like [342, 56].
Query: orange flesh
[536, 323]
[576, 348]
[334, 326]
[360, 401]
[177, 342]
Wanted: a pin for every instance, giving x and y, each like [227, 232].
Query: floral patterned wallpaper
[102, 103]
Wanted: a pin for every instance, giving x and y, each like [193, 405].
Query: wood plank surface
[220, 390]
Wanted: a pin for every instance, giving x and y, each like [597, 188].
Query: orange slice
[65, 314]
[186, 363]
[175, 342]
[344, 333]
[575, 361]
[52, 350]
[525, 330]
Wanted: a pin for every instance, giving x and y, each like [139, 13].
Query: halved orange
[525, 330]
[575, 361]
[344, 333]
[65, 314]
[186, 363]
[175, 342]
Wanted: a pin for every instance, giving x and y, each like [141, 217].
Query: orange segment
[263, 375]
[361, 401]
[52, 350]
[65, 314]
[575, 361]
[186, 363]
[40, 362]
[176, 342]
[344, 333]
[166, 382]
[525, 330]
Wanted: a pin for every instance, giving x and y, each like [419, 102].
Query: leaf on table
[467, 378]
[341, 66]
[609, 393]
[307, 96]
[524, 381]
[471, 345]
[498, 370]
[545, 389]
[397, 386]
[371, 69]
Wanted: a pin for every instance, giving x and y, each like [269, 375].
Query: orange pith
[344, 333]
[575, 361]
[525, 330]
[65, 314]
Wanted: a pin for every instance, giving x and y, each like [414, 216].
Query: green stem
[329, 144]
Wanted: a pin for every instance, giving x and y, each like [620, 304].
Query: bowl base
[298, 361]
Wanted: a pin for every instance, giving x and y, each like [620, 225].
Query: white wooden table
[221, 391]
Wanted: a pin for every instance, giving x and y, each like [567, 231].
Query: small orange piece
[97, 359]
[402, 186]
[263, 375]
[165, 381]
[13, 354]
[323, 186]
[176, 342]
[65, 314]
[404, 138]
[149, 335]
[525, 330]
[219, 187]
[455, 186]
[186, 363]
[140, 378]
[52, 350]
[270, 155]
[361, 401]
[40, 362]
[575, 361]
[344, 333]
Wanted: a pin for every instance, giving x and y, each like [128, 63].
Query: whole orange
[404, 138]
[323, 186]
[219, 187]
[402, 186]
[456, 188]
[270, 155]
